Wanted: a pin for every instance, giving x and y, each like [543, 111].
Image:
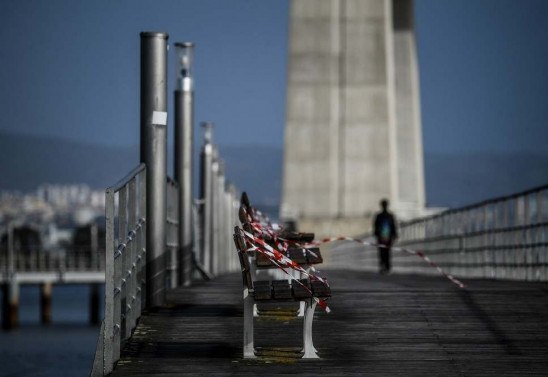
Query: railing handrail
[477, 205]
[122, 182]
[476, 233]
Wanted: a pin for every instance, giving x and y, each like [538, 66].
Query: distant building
[54, 211]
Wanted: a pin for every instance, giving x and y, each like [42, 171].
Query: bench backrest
[240, 243]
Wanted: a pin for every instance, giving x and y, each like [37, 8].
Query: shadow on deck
[397, 325]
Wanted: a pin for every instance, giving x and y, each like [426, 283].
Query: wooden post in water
[45, 302]
[10, 304]
[94, 304]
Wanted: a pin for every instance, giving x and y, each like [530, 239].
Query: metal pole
[206, 159]
[111, 338]
[154, 155]
[184, 120]
[214, 199]
[222, 225]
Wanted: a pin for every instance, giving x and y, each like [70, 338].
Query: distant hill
[451, 179]
[454, 180]
[28, 161]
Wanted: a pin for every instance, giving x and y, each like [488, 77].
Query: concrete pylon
[353, 128]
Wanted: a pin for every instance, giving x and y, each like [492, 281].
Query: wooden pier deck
[396, 325]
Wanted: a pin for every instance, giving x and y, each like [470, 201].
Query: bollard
[154, 155]
[206, 158]
[184, 120]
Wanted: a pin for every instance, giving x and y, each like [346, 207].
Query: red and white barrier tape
[282, 262]
[405, 250]
[283, 244]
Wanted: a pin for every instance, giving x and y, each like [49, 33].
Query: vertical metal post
[154, 155]
[184, 120]
[132, 255]
[94, 246]
[539, 206]
[141, 248]
[221, 244]
[206, 159]
[121, 267]
[172, 241]
[110, 336]
[486, 272]
[214, 199]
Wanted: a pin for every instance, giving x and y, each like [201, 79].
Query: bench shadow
[200, 310]
[181, 350]
[490, 324]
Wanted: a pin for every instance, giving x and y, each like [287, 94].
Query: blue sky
[71, 69]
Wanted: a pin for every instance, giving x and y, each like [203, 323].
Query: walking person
[385, 233]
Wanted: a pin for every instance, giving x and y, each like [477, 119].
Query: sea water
[66, 347]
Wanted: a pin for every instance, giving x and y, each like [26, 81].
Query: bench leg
[309, 350]
[301, 303]
[249, 349]
[302, 306]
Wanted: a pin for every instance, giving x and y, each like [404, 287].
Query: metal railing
[125, 265]
[74, 260]
[33, 258]
[165, 249]
[501, 238]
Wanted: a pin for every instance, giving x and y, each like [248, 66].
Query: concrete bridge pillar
[353, 133]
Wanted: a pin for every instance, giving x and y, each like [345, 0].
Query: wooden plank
[396, 325]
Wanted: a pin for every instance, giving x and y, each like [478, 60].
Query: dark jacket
[385, 228]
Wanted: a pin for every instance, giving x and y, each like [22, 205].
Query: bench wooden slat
[297, 255]
[299, 291]
[262, 290]
[281, 290]
[320, 289]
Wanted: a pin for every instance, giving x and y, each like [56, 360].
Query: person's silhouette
[385, 231]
